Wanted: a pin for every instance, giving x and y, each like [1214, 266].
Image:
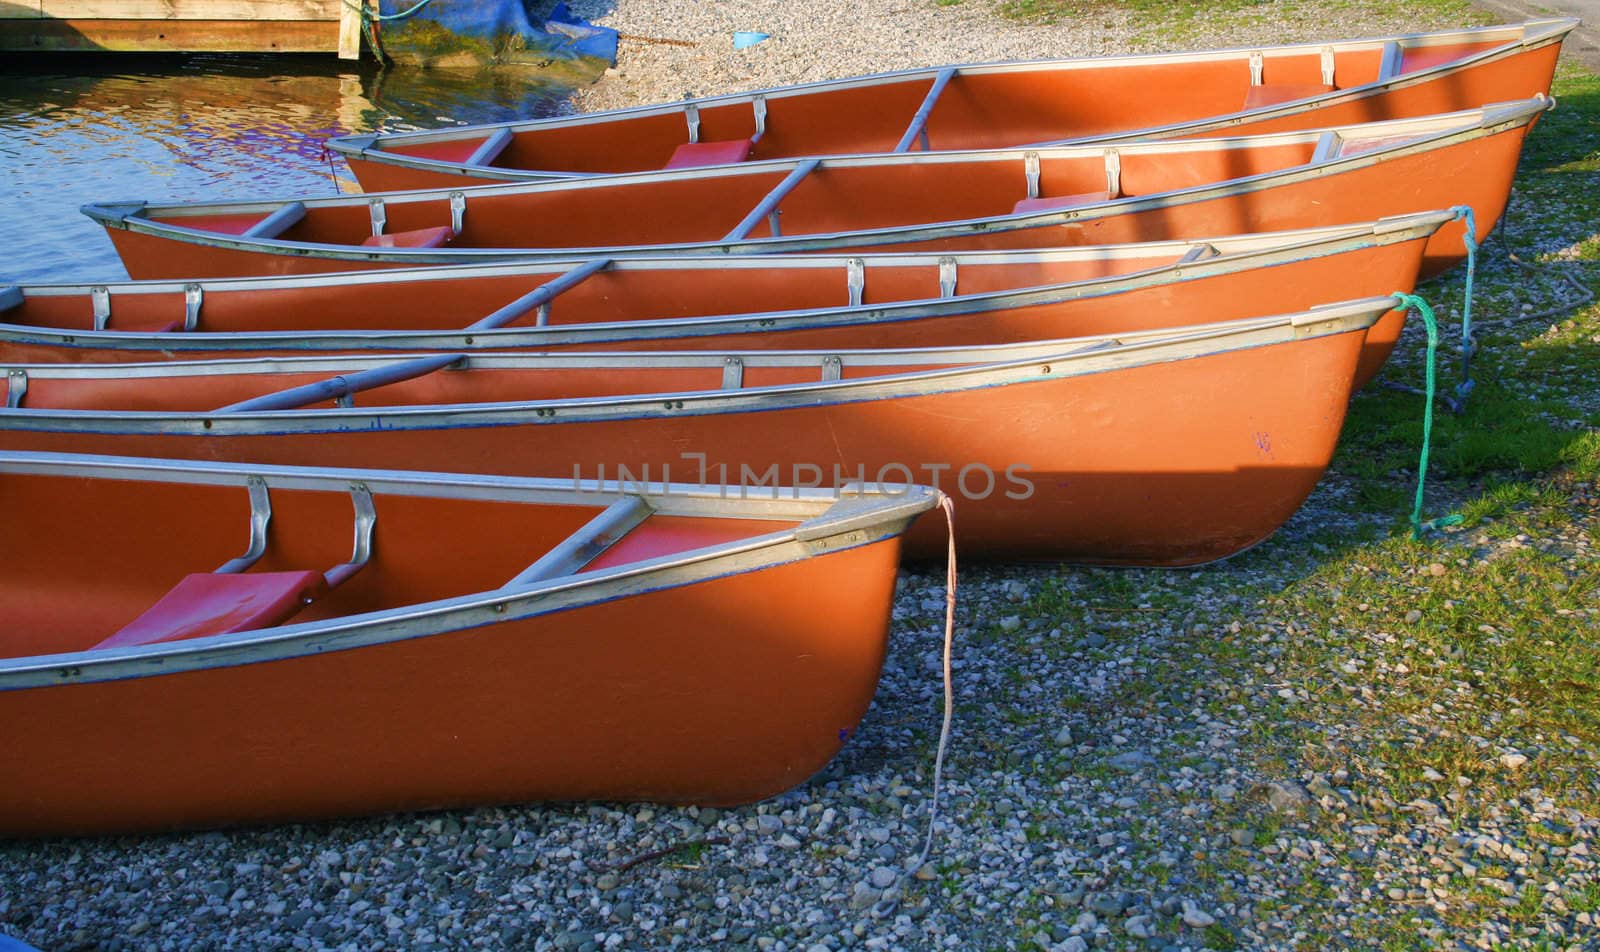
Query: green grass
[1161, 22]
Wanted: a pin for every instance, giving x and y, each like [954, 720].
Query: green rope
[369, 15]
[1418, 527]
[1469, 344]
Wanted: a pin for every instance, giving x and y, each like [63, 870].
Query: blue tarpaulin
[488, 32]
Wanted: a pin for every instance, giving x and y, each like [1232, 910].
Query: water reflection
[76, 129]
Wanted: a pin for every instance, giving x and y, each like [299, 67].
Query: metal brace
[759, 104]
[260, 515]
[947, 277]
[100, 299]
[1258, 64]
[345, 401]
[772, 222]
[1030, 165]
[732, 373]
[379, 216]
[832, 368]
[458, 211]
[193, 295]
[541, 315]
[1113, 173]
[1327, 66]
[691, 115]
[16, 387]
[361, 553]
[856, 278]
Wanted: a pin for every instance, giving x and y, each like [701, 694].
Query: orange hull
[1165, 451]
[925, 202]
[666, 304]
[996, 106]
[541, 696]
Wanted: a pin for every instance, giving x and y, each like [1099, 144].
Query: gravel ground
[1142, 759]
[829, 39]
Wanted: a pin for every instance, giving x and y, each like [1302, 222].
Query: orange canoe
[1165, 448]
[744, 303]
[489, 640]
[930, 201]
[1268, 89]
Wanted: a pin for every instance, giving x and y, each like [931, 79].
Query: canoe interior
[102, 551]
[975, 110]
[616, 295]
[707, 208]
[480, 384]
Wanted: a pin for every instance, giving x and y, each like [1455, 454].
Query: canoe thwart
[541, 296]
[280, 221]
[917, 131]
[769, 204]
[587, 544]
[1389, 66]
[491, 148]
[343, 385]
[1199, 252]
[1327, 147]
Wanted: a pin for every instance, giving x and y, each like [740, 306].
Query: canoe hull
[662, 697]
[1174, 462]
[719, 679]
[1474, 169]
[995, 107]
[412, 304]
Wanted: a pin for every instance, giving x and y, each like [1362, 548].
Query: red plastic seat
[696, 154]
[1060, 201]
[1259, 96]
[420, 238]
[214, 603]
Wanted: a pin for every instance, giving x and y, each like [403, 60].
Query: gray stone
[1194, 917]
[883, 877]
[1140, 927]
[864, 897]
[1133, 760]
[1288, 797]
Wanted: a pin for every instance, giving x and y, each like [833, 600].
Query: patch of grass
[1165, 21]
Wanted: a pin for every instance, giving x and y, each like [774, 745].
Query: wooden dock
[183, 26]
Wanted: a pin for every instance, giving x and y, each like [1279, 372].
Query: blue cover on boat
[482, 32]
[8, 944]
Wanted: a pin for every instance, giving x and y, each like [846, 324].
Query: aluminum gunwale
[444, 616]
[1253, 251]
[1016, 364]
[1515, 38]
[1451, 129]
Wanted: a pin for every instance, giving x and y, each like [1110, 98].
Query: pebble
[1196, 918]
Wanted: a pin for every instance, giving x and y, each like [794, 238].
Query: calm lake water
[80, 129]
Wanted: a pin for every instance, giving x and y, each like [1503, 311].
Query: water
[81, 129]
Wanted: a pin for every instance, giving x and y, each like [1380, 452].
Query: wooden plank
[350, 27]
[190, 9]
[146, 36]
[23, 10]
